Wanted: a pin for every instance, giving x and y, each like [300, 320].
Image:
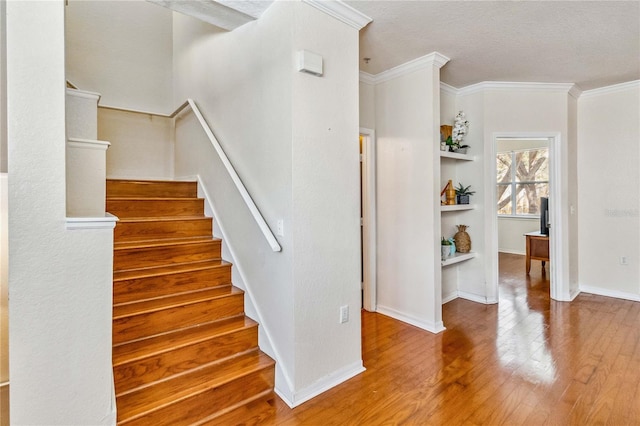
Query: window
[523, 177]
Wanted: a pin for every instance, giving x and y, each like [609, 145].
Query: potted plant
[463, 193]
[446, 248]
[460, 129]
[451, 144]
[462, 149]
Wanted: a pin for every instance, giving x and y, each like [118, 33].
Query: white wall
[511, 232]
[122, 50]
[3, 88]
[447, 106]
[59, 280]
[326, 199]
[367, 105]
[4, 301]
[608, 195]
[288, 136]
[251, 117]
[407, 129]
[141, 144]
[4, 237]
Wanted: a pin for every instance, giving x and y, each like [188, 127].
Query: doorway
[368, 218]
[522, 184]
[499, 197]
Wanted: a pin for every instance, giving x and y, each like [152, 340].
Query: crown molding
[342, 12]
[615, 88]
[448, 89]
[575, 91]
[367, 78]
[569, 88]
[422, 62]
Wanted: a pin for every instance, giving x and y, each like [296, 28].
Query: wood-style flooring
[528, 360]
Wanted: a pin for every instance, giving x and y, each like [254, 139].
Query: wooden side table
[537, 248]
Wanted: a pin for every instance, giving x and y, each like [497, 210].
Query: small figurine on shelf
[450, 194]
[462, 239]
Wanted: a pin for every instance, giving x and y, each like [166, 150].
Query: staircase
[183, 350]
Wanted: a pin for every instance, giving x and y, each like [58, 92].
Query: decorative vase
[445, 251]
[450, 194]
[462, 239]
[461, 151]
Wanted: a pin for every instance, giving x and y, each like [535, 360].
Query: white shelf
[457, 258]
[457, 207]
[464, 157]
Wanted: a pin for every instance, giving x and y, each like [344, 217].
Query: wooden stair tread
[161, 394]
[162, 219]
[163, 242]
[166, 302]
[150, 199]
[175, 268]
[143, 348]
[254, 411]
[118, 180]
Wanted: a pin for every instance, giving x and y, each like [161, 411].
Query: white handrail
[271, 239]
[257, 216]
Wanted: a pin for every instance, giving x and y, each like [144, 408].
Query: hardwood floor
[528, 360]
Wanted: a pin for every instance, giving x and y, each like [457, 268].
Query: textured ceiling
[590, 43]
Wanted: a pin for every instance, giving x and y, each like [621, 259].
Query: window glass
[522, 178]
[504, 199]
[532, 166]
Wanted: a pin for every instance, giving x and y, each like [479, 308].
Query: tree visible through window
[523, 177]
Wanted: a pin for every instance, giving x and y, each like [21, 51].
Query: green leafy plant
[445, 242]
[463, 190]
[450, 143]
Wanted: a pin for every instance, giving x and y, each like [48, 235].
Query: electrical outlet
[344, 314]
[623, 260]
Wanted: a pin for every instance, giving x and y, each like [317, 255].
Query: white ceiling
[590, 43]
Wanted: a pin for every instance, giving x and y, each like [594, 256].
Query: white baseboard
[521, 253]
[420, 323]
[322, 385]
[610, 293]
[476, 298]
[449, 297]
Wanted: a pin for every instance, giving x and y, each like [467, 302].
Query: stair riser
[138, 189]
[151, 230]
[209, 402]
[145, 325]
[124, 259]
[134, 374]
[144, 288]
[155, 208]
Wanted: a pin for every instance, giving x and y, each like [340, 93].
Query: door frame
[369, 243]
[558, 215]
